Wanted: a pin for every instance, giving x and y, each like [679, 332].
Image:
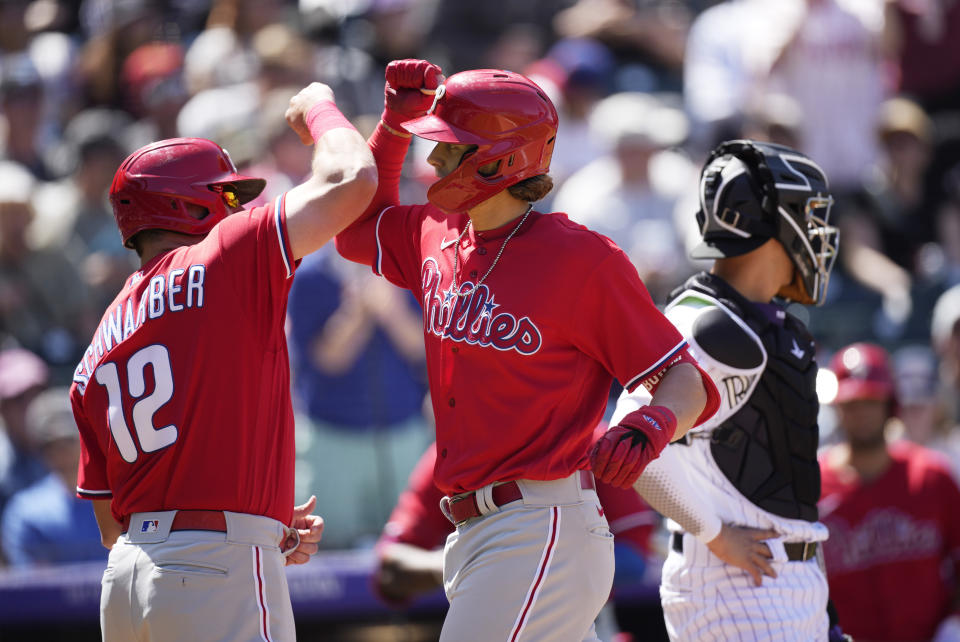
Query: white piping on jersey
[710, 423]
[84, 491]
[378, 267]
[279, 206]
[643, 375]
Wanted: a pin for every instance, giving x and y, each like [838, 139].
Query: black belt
[796, 551]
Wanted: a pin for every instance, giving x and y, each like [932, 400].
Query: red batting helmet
[510, 120]
[863, 372]
[152, 184]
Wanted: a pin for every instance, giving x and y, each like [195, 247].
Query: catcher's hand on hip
[743, 547]
[306, 530]
[409, 90]
[620, 455]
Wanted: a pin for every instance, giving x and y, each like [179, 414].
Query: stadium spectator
[922, 415]
[631, 193]
[576, 73]
[359, 380]
[43, 302]
[21, 108]
[45, 523]
[892, 557]
[23, 376]
[829, 59]
[72, 216]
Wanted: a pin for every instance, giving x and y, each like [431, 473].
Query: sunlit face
[446, 157]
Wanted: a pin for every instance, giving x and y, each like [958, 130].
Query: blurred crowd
[870, 89]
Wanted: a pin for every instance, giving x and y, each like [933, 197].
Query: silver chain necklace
[456, 255]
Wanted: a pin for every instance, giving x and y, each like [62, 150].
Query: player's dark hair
[532, 189]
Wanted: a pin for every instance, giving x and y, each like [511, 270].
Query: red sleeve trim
[650, 378]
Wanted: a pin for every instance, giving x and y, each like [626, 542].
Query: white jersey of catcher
[694, 461]
[703, 598]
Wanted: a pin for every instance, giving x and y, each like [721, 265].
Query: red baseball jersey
[183, 397]
[520, 366]
[418, 521]
[891, 541]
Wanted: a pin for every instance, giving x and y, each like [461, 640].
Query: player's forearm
[665, 486]
[681, 391]
[343, 177]
[358, 241]
[389, 148]
[110, 529]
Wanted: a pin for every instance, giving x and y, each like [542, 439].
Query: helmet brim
[248, 187]
[723, 248]
[861, 389]
[433, 128]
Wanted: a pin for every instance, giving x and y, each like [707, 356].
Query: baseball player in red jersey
[893, 557]
[527, 317]
[409, 552]
[183, 397]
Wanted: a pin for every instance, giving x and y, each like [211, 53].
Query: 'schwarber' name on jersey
[470, 317]
[177, 290]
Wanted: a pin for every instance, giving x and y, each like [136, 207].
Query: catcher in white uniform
[741, 489]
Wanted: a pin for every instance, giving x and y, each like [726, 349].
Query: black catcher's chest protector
[768, 448]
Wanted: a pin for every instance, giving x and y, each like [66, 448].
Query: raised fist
[300, 105]
[623, 452]
[409, 90]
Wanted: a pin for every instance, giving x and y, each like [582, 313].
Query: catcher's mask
[510, 120]
[751, 192]
[152, 185]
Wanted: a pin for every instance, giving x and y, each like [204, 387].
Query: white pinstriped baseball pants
[705, 599]
[538, 569]
[197, 585]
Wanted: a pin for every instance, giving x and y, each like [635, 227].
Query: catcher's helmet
[510, 120]
[151, 186]
[751, 192]
[863, 371]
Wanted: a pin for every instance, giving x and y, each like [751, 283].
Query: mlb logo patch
[150, 526]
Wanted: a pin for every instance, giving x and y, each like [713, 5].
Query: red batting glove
[621, 454]
[403, 98]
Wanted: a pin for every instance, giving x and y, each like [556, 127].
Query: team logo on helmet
[438, 94]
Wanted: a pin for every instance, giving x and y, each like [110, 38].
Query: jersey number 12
[151, 438]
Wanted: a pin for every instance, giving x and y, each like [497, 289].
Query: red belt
[464, 507]
[193, 520]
